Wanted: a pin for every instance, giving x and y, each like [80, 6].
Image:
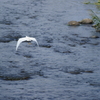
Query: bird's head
[28, 38]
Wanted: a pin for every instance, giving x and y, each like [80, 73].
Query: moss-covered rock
[73, 23]
[86, 21]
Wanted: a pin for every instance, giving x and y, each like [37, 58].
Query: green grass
[96, 20]
[95, 3]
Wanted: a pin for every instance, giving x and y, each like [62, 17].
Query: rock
[73, 23]
[89, 71]
[94, 36]
[6, 22]
[86, 21]
[13, 77]
[94, 26]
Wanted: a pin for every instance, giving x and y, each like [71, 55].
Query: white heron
[25, 39]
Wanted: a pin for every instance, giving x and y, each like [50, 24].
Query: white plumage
[25, 39]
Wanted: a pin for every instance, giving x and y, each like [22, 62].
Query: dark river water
[65, 66]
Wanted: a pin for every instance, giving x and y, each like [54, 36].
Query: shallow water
[65, 66]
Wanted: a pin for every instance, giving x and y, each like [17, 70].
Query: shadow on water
[66, 65]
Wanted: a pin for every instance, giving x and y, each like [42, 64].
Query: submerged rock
[10, 37]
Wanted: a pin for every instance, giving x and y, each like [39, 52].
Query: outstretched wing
[35, 40]
[19, 41]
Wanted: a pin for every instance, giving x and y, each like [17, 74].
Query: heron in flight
[25, 39]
